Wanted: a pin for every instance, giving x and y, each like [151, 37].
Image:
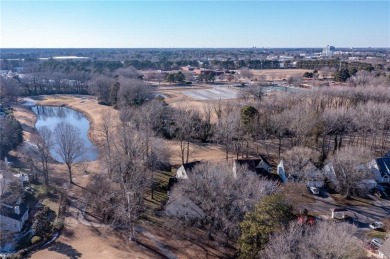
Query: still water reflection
[50, 116]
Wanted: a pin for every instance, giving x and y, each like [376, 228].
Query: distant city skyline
[200, 24]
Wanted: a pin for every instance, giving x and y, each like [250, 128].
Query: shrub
[35, 240]
[102, 102]
[42, 225]
[18, 255]
[58, 224]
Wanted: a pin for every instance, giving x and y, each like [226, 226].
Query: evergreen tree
[42, 225]
[270, 215]
[179, 77]
[114, 94]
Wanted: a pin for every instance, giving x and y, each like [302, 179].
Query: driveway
[362, 211]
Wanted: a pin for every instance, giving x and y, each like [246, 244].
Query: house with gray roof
[380, 168]
[184, 171]
[13, 213]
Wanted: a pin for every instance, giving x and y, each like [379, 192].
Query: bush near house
[35, 240]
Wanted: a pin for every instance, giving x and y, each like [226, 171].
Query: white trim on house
[13, 225]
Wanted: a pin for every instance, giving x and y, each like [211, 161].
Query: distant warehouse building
[203, 71]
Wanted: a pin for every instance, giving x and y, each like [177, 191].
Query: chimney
[17, 210]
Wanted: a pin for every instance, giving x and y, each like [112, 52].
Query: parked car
[376, 225]
[314, 190]
[377, 242]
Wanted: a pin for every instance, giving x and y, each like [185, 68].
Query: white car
[376, 225]
[377, 242]
[314, 190]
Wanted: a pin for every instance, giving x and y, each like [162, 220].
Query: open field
[278, 74]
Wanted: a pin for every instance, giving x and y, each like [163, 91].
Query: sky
[193, 24]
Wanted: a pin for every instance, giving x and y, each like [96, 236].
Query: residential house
[6, 177]
[203, 71]
[368, 183]
[13, 213]
[180, 206]
[260, 166]
[184, 170]
[313, 177]
[188, 68]
[380, 168]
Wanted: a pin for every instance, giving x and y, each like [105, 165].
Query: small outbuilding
[338, 213]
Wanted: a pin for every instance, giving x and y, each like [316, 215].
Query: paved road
[361, 213]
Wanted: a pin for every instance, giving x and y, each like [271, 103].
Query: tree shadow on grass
[66, 250]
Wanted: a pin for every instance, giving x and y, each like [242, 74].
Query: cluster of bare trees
[64, 141]
[46, 82]
[351, 169]
[345, 170]
[216, 199]
[37, 152]
[325, 118]
[323, 240]
[129, 155]
[300, 161]
[122, 87]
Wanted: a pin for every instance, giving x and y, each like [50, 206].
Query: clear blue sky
[131, 24]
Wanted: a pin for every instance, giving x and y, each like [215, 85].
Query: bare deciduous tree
[255, 91]
[300, 160]
[122, 201]
[132, 92]
[69, 145]
[187, 122]
[323, 240]
[100, 87]
[246, 73]
[350, 166]
[128, 72]
[216, 199]
[44, 142]
[227, 127]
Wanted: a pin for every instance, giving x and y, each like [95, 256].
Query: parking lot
[215, 93]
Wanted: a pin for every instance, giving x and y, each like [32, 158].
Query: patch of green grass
[377, 234]
[40, 190]
[53, 205]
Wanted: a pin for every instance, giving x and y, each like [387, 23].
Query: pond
[51, 116]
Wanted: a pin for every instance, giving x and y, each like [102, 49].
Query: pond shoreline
[69, 101]
[51, 116]
[85, 114]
